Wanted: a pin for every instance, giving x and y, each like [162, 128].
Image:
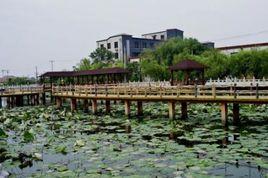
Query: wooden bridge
[184, 95]
[16, 95]
[171, 94]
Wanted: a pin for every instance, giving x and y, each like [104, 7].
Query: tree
[155, 62]
[135, 71]
[101, 55]
[84, 64]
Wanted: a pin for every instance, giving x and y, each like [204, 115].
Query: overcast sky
[32, 32]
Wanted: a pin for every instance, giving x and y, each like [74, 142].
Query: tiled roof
[114, 70]
[187, 64]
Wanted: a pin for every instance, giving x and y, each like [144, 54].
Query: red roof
[187, 64]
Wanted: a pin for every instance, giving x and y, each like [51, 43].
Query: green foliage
[249, 63]
[20, 81]
[155, 63]
[3, 134]
[155, 70]
[84, 64]
[28, 136]
[101, 55]
[135, 70]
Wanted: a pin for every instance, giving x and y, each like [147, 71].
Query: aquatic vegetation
[43, 141]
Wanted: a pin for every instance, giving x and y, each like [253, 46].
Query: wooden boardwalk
[16, 95]
[167, 93]
[171, 94]
[128, 93]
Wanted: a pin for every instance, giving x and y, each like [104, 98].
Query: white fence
[239, 82]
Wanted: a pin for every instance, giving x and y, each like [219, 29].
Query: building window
[162, 37]
[102, 45]
[137, 44]
[144, 45]
[115, 44]
[116, 55]
[109, 45]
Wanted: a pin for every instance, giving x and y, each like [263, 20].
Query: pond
[43, 141]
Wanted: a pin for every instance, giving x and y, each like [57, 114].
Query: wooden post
[58, 102]
[12, 101]
[224, 114]
[236, 118]
[32, 100]
[213, 91]
[184, 114]
[8, 102]
[171, 109]
[140, 110]
[86, 105]
[44, 98]
[1, 102]
[108, 106]
[17, 101]
[73, 105]
[127, 108]
[94, 106]
[37, 99]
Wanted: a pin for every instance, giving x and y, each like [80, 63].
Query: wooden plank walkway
[15, 91]
[171, 94]
[167, 93]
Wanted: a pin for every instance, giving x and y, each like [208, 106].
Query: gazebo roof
[114, 70]
[58, 74]
[187, 64]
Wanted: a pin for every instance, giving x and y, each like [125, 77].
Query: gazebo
[187, 66]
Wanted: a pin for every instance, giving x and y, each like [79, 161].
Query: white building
[237, 48]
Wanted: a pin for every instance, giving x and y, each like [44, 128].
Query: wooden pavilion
[188, 66]
[96, 76]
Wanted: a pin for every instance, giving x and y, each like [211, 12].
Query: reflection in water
[236, 170]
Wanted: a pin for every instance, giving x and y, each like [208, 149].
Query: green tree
[101, 55]
[84, 64]
[155, 62]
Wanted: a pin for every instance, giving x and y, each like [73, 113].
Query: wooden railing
[20, 90]
[160, 91]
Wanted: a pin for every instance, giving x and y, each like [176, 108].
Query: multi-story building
[125, 46]
[235, 49]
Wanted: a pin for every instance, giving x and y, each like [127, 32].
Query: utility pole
[52, 62]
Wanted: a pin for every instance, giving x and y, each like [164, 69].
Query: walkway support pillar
[184, 114]
[224, 114]
[171, 109]
[28, 100]
[58, 102]
[94, 106]
[32, 100]
[73, 105]
[127, 107]
[44, 98]
[1, 102]
[236, 118]
[86, 105]
[38, 99]
[108, 106]
[139, 106]
[8, 102]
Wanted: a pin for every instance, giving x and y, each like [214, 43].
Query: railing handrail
[179, 90]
